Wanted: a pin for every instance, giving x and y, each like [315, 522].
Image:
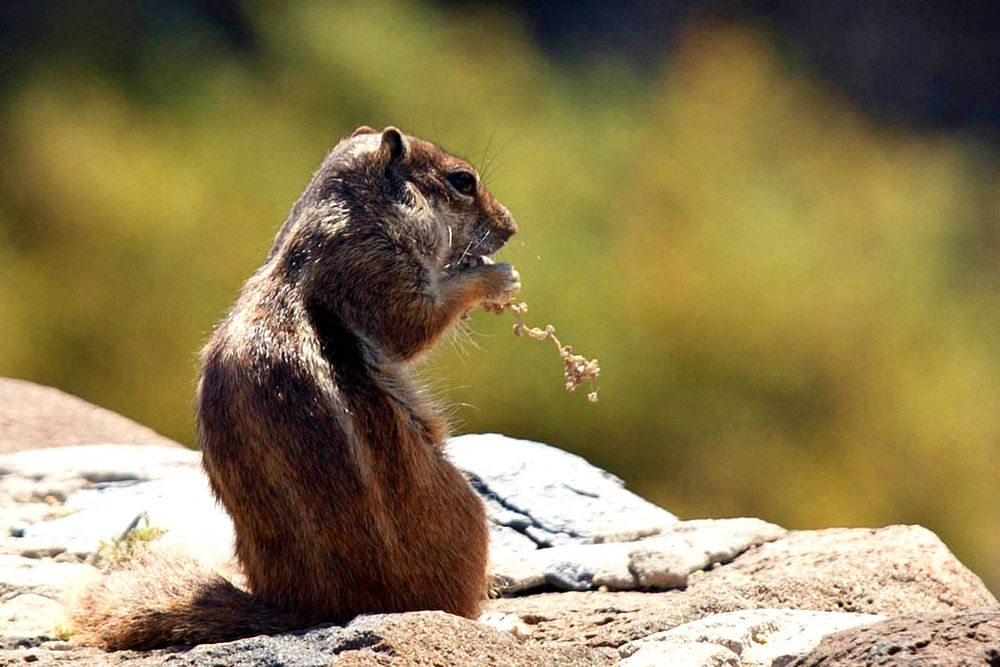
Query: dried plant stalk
[576, 368]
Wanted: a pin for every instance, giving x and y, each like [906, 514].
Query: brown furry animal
[327, 458]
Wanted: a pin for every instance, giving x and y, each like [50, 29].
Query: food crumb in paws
[576, 367]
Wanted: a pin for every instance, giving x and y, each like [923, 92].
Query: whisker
[465, 252]
[472, 244]
[493, 166]
[480, 241]
[489, 142]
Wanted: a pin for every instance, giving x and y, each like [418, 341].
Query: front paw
[500, 282]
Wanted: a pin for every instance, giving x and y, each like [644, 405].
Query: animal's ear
[364, 129]
[394, 147]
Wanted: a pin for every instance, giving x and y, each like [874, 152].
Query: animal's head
[407, 193]
[386, 222]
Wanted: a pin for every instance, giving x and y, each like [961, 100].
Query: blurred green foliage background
[794, 307]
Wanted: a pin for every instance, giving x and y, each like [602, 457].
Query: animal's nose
[506, 226]
[503, 233]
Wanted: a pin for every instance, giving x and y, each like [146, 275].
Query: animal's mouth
[472, 261]
[477, 252]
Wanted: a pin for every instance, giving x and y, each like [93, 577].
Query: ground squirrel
[327, 458]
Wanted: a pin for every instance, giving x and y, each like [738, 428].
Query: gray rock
[101, 490]
[181, 504]
[503, 540]
[105, 487]
[42, 577]
[765, 637]
[660, 562]
[682, 654]
[552, 496]
[29, 619]
[37, 486]
[507, 528]
[44, 547]
[99, 463]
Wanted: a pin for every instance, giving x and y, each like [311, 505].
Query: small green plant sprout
[119, 550]
[576, 368]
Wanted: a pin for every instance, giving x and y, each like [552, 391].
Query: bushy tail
[164, 598]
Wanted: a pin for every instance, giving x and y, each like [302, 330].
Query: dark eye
[462, 181]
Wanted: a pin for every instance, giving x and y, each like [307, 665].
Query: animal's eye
[462, 181]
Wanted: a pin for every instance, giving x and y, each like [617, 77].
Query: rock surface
[33, 416]
[429, 638]
[655, 563]
[892, 570]
[550, 496]
[594, 574]
[889, 571]
[750, 637]
[69, 500]
[27, 616]
[971, 639]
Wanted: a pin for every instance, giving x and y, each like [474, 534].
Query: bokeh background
[776, 224]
